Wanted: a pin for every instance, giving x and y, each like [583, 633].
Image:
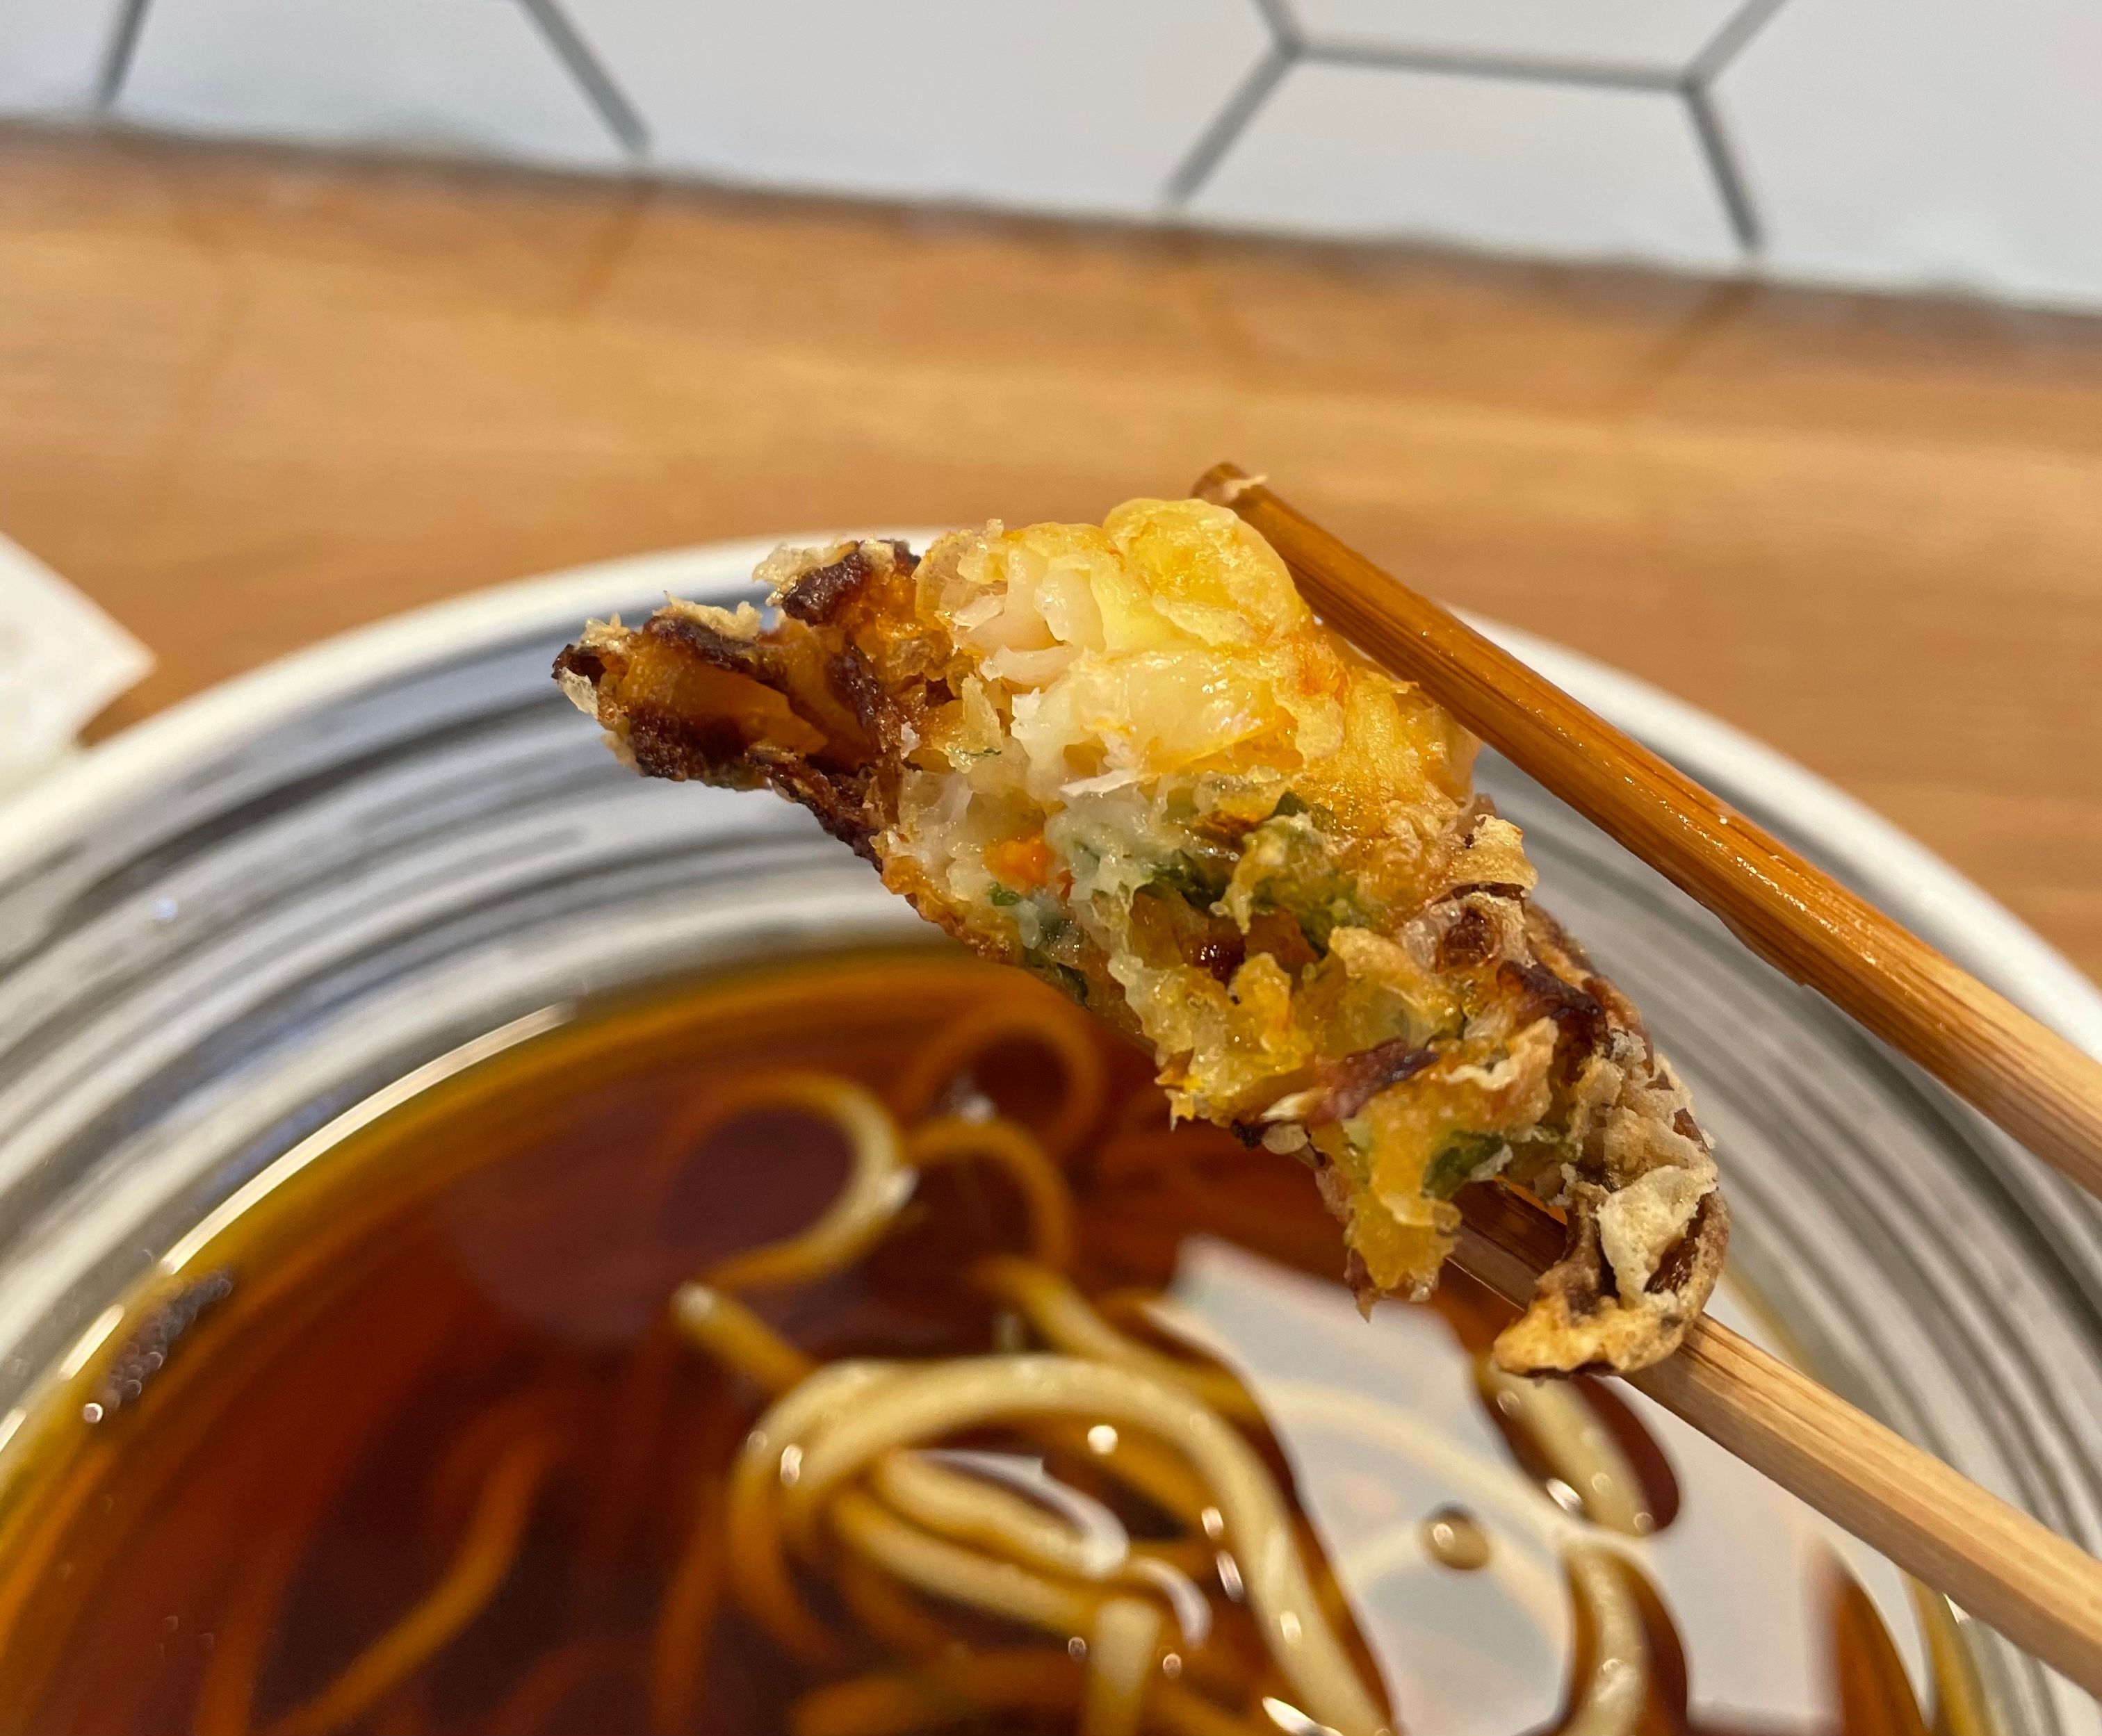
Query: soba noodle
[679, 1650]
[1121, 1648]
[1610, 1699]
[878, 1184]
[945, 1060]
[729, 1330]
[1090, 1544]
[928, 1402]
[1063, 1318]
[485, 1558]
[852, 1479]
[555, 1679]
[1579, 1449]
[1016, 1151]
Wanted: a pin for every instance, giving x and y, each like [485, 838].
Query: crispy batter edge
[1576, 1320]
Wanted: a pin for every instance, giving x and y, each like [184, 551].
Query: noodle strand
[678, 1651]
[1068, 1323]
[554, 1679]
[878, 1183]
[1577, 1446]
[1051, 1024]
[226, 1697]
[484, 1560]
[1017, 1152]
[962, 1575]
[918, 1402]
[759, 1574]
[897, 1702]
[1610, 1700]
[1160, 1476]
[1022, 1680]
[725, 1328]
[1121, 1651]
[890, 1614]
[972, 1510]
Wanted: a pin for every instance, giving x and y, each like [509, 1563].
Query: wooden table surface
[250, 399]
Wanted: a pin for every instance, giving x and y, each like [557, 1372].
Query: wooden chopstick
[2042, 1592]
[2011, 1573]
[2022, 1074]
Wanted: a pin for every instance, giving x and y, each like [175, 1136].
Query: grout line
[1731, 41]
[1464, 65]
[614, 107]
[1722, 165]
[1229, 124]
[116, 58]
[1283, 28]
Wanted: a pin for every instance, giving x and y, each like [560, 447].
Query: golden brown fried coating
[1129, 759]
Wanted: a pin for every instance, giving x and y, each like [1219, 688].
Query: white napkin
[61, 661]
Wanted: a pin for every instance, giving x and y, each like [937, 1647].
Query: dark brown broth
[282, 1476]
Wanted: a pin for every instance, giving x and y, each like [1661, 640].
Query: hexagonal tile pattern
[1568, 171]
[1655, 35]
[51, 53]
[1946, 142]
[461, 76]
[1946, 145]
[1086, 105]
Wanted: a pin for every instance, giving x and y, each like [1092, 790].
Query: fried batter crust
[1129, 759]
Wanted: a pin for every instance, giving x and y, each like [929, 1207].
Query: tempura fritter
[1129, 759]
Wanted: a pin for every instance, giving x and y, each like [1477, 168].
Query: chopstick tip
[1224, 484]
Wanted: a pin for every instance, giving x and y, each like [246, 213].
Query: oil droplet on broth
[1453, 1538]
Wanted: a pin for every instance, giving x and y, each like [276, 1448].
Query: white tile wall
[1896, 144]
[51, 53]
[1520, 165]
[449, 76]
[1926, 141]
[1078, 105]
[1659, 35]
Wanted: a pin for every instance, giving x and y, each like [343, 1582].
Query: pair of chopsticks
[2039, 1590]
